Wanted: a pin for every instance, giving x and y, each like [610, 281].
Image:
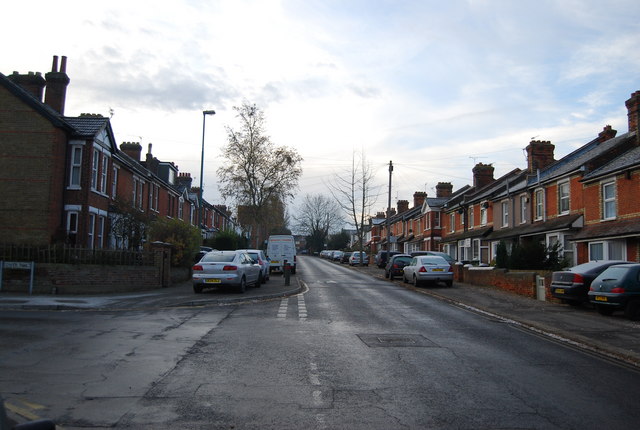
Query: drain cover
[395, 340]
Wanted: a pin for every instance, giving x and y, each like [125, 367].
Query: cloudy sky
[436, 86]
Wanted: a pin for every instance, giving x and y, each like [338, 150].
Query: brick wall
[518, 282]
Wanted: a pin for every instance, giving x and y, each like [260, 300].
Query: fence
[65, 254]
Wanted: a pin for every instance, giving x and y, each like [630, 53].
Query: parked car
[618, 287]
[201, 253]
[263, 261]
[572, 285]
[395, 265]
[381, 257]
[357, 256]
[428, 268]
[345, 257]
[337, 255]
[444, 255]
[226, 268]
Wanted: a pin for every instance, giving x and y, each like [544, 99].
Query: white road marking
[284, 305]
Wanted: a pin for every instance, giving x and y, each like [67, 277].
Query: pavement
[614, 337]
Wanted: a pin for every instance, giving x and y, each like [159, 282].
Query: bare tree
[257, 174]
[318, 217]
[355, 193]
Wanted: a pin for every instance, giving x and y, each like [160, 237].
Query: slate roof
[560, 223]
[578, 158]
[625, 161]
[87, 126]
[608, 229]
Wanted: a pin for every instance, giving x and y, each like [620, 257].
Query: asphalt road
[351, 352]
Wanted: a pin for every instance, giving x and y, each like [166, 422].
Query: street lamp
[201, 211]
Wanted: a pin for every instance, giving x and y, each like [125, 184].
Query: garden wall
[519, 282]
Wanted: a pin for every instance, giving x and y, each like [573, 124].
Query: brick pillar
[162, 261]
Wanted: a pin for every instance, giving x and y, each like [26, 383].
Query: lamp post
[201, 211]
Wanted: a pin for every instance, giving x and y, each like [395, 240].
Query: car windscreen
[215, 256]
[405, 260]
[432, 260]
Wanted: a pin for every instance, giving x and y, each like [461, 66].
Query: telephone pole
[389, 212]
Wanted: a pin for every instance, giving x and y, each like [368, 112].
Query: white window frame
[114, 182]
[523, 208]
[104, 173]
[452, 222]
[483, 214]
[100, 232]
[564, 198]
[95, 166]
[91, 230]
[504, 205]
[72, 228]
[436, 219]
[607, 248]
[608, 200]
[75, 166]
[472, 216]
[539, 203]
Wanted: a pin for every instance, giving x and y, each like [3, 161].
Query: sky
[434, 86]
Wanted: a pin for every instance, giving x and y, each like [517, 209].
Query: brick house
[63, 177]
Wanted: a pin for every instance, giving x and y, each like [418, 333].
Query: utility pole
[389, 212]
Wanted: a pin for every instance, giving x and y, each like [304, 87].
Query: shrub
[184, 237]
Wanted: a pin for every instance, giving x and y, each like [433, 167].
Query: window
[100, 232]
[607, 250]
[563, 198]
[103, 174]
[505, 214]
[140, 194]
[436, 219]
[95, 165]
[609, 200]
[180, 207]
[452, 222]
[539, 204]
[92, 226]
[524, 200]
[476, 250]
[114, 182]
[76, 167]
[483, 214]
[138, 188]
[471, 217]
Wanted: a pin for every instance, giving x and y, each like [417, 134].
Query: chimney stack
[403, 206]
[444, 189]
[539, 155]
[57, 82]
[418, 198]
[632, 111]
[32, 82]
[606, 134]
[482, 175]
[132, 149]
[185, 180]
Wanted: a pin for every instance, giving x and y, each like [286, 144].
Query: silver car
[263, 261]
[226, 268]
[428, 268]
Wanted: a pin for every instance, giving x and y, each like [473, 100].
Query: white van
[279, 249]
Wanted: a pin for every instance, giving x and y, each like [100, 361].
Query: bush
[502, 256]
[184, 237]
[228, 240]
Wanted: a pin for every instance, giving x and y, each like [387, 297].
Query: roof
[625, 161]
[87, 126]
[578, 158]
[630, 227]
[561, 223]
[473, 233]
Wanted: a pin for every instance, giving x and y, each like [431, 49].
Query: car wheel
[605, 310]
[449, 283]
[632, 310]
[416, 283]
[386, 274]
[197, 289]
[391, 276]
[259, 281]
[243, 286]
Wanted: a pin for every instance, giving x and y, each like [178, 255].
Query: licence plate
[601, 299]
[275, 261]
[559, 290]
[212, 281]
[438, 270]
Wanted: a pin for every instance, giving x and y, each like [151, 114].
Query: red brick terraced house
[62, 176]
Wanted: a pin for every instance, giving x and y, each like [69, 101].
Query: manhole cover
[395, 340]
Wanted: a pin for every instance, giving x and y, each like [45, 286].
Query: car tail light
[197, 268]
[422, 269]
[578, 278]
[395, 266]
[450, 268]
[618, 290]
[229, 268]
